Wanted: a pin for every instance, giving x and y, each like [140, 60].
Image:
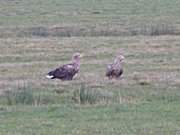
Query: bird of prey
[115, 70]
[67, 71]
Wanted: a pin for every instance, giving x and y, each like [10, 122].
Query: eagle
[115, 70]
[67, 71]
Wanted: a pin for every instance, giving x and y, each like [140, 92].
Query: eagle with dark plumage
[115, 70]
[67, 71]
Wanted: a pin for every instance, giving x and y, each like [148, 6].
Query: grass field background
[37, 36]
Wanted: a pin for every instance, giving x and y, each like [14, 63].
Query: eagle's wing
[57, 73]
[64, 72]
[68, 67]
[113, 71]
[109, 69]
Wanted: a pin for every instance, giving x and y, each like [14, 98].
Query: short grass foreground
[146, 118]
[39, 35]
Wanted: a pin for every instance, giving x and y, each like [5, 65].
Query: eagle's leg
[110, 77]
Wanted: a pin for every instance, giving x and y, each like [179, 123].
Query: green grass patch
[39, 35]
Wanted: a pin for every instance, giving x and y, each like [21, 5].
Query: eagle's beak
[122, 57]
[81, 55]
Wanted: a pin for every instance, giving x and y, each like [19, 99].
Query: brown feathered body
[67, 71]
[115, 70]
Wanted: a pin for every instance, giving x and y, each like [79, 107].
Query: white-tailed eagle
[67, 71]
[115, 70]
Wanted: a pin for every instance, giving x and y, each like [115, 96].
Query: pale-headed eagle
[115, 70]
[67, 71]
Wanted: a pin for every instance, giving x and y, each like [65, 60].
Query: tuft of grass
[158, 29]
[86, 95]
[154, 29]
[19, 96]
[27, 96]
[38, 31]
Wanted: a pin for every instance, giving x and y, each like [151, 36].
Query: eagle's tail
[50, 76]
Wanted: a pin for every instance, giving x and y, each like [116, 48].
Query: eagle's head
[120, 57]
[76, 56]
[76, 59]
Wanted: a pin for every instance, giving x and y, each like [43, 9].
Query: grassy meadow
[39, 35]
